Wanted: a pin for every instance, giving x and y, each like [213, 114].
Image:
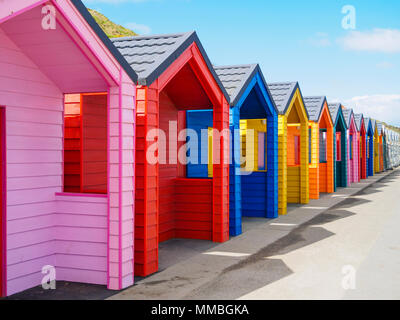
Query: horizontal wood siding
[254, 194]
[80, 234]
[146, 196]
[34, 131]
[193, 201]
[282, 165]
[293, 184]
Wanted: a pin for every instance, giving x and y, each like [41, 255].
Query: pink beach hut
[352, 147]
[67, 115]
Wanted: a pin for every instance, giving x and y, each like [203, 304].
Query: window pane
[94, 143]
[297, 150]
[338, 146]
[322, 146]
[309, 145]
[351, 146]
[85, 143]
[261, 150]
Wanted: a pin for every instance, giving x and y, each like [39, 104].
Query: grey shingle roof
[334, 110]
[314, 107]
[380, 127]
[150, 56]
[282, 93]
[235, 79]
[103, 37]
[347, 116]
[358, 117]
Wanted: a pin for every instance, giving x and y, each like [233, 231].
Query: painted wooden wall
[121, 182]
[314, 162]
[34, 111]
[193, 209]
[282, 164]
[146, 198]
[80, 238]
[352, 162]
[376, 152]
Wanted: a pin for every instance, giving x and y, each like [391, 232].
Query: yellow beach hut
[293, 144]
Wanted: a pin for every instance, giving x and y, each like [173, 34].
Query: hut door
[2, 197]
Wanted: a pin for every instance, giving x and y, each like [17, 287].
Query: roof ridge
[153, 36]
[236, 66]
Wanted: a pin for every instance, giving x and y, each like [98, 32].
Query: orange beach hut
[320, 146]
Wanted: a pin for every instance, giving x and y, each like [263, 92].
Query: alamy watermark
[49, 21]
[49, 279]
[203, 147]
[349, 277]
[349, 21]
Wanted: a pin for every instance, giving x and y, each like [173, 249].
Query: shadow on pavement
[66, 291]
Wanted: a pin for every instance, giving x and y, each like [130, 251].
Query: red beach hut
[175, 75]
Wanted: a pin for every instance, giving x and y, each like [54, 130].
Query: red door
[2, 202]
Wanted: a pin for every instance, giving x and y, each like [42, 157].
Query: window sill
[68, 194]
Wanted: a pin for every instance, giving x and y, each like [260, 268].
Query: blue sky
[292, 40]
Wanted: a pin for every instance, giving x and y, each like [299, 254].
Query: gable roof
[150, 56]
[235, 79]
[347, 113]
[369, 123]
[282, 93]
[106, 41]
[334, 109]
[380, 127]
[358, 117]
[314, 106]
[366, 124]
[373, 124]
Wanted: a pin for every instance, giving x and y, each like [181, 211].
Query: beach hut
[370, 146]
[384, 147]
[362, 143]
[376, 147]
[352, 147]
[175, 75]
[382, 143]
[56, 61]
[389, 144]
[253, 183]
[340, 146]
[320, 146]
[293, 144]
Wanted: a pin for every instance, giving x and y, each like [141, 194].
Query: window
[351, 146]
[253, 136]
[261, 151]
[85, 143]
[296, 150]
[322, 146]
[338, 146]
[309, 145]
[293, 145]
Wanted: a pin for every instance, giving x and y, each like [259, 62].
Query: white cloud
[320, 39]
[381, 107]
[140, 29]
[376, 40]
